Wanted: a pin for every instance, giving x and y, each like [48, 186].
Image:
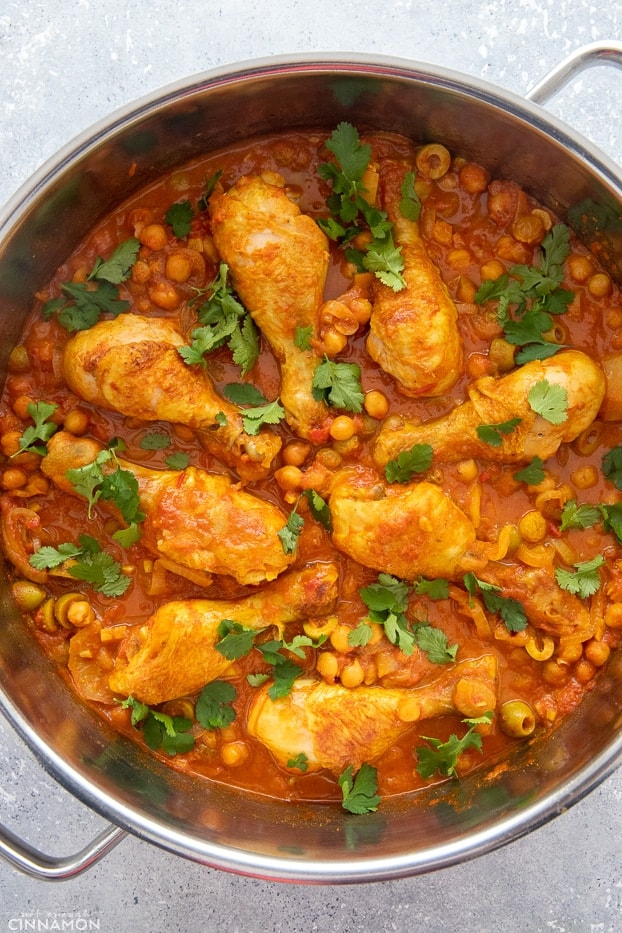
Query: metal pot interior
[43, 223]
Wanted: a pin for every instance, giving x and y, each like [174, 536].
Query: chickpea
[467, 470]
[27, 595]
[288, 477]
[597, 652]
[580, 268]
[473, 178]
[352, 674]
[569, 654]
[295, 453]
[613, 616]
[599, 285]
[528, 229]
[14, 478]
[80, 613]
[165, 296]
[141, 272]
[376, 404]
[19, 361]
[584, 477]
[339, 639]
[532, 526]
[327, 666]
[517, 719]
[20, 406]
[491, 270]
[76, 422]
[178, 267]
[234, 754]
[154, 236]
[473, 697]
[584, 671]
[9, 443]
[333, 342]
[554, 674]
[342, 428]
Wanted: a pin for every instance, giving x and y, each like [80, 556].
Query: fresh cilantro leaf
[443, 757]
[179, 216]
[170, 733]
[117, 268]
[119, 486]
[302, 337]
[299, 642]
[98, 295]
[416, 460]
[177, 461]
[433, 642]
[319, 508]
[235, 640]
[155, 441]
[352, 160]
[338, 384]
[549, 400]
[387, 601]
[48, 557]
[102, 571]
[243, 393]
[213, 708]
[284, 670]
[291, 532]
[359, 636]
[220, 419]
[360, 792]
[210, 184]
[36, 436]
[244, 345]
[300, 762]
[435, 589]
[579, 516]
[127, 536]
[410, 205]
[612, 466]
[493, 433]
[385, 259]
[511, 610]
[253, 419]
[612, 519]
[533, 474]
[584, 581]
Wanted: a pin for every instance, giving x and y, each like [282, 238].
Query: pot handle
[596, 53]
[33, 862]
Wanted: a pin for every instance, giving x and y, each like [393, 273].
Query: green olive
[517, 719]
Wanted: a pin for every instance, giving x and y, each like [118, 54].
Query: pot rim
[283, 867]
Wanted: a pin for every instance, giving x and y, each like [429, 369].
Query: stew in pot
[311, 467]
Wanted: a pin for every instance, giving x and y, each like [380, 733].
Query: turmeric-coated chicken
[416, 529]
[335, 726]
[174, 653]
[194, 519]
[413, 333]
[407, 530]
[278, 261]
[496, 401]
[132, 365]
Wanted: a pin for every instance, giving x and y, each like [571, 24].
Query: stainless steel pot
[209, 823]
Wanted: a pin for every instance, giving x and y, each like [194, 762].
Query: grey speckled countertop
[64, 65]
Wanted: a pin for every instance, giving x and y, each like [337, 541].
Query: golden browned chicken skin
[131, 365]
[334, 726]
[195, 519]
[278, 260]
[173, 654]
[413, 333]
[497, 400]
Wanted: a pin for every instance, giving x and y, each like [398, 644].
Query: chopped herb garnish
[36, 436]
[360, 792]
[584, 580]
[612, 466]
[118, 486]
[213, 709]
[443, 757]
[155, 440]
[533, 474]
[159, 730]
[579, 516]
[409, 462]
[339, 385]
[493, 433]
[510, 610]
[87, 562]
[549, 400]
[319, 508]
[435, 589]
[177, 461]
[300, 762]
[291, 532]
[302, 337]
[179, 216]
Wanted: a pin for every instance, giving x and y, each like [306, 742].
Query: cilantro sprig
[214, 708]
[408, 463]
[224, 320]
[85, 561]
[510, 610]
[532, 474]
[442, 757]
[260, 410]
[549, 400]
[584, 580]
[35, 437]
[118, 486]
[338, 385]
[84, 302]
[528, 296]
[159, 730]
[351, 212]
[360, 791]
[493, 433]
